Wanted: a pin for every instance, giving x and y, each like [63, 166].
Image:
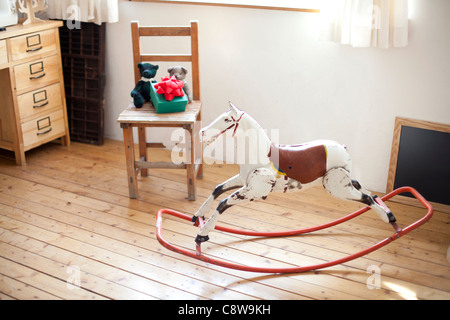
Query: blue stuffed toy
[141, 92]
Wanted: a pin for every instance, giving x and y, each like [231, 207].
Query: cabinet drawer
[3, 52]
[38, 101]
[43, 129]
[33, 44]
[36, 74]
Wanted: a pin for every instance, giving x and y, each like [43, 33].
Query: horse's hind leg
[358, 186]
[338, 183]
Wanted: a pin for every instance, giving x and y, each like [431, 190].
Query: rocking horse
[284, 168]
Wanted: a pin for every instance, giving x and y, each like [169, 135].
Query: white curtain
[96, 11]
[365, 23]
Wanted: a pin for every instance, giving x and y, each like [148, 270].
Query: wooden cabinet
[32, 105]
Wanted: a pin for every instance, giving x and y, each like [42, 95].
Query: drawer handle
[42, 133]
[34, 50]
[38, 77]
[41, 105]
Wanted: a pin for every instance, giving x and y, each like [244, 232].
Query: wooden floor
[69, 231]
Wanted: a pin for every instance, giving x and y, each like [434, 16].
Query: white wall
[270, 64]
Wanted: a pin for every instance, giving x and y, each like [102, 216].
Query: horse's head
[226, 121]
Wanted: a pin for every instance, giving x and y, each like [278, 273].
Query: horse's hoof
[200, 239]
[387, 215]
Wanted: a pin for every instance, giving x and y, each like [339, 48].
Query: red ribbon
[170, 87]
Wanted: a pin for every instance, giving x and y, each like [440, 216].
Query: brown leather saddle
[304, 162]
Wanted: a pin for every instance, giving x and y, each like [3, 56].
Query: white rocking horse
[281, 169]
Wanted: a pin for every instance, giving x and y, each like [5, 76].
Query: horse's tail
[338, 156]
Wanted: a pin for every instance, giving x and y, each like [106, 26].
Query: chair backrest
[183, 31]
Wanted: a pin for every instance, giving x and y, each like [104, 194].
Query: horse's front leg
[259, 184]
[230, 184]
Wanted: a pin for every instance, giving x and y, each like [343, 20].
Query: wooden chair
[147, 117]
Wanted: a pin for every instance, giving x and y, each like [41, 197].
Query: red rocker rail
[297, 269]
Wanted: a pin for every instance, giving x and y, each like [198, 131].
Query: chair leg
[200, 170]
[190, 164]
[129, 155]
[199, 148]
[142, 149]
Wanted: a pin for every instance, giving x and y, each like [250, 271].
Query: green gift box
[177, 104]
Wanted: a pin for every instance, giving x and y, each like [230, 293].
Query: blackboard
[420, 158]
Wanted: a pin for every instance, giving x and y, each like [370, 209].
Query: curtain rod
[246, 6]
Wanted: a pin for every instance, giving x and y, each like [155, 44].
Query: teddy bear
[180, 73]
[141, 92]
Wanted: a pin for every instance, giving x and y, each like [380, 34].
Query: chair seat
[147, 115]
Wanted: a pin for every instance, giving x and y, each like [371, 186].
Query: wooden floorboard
[68, 230]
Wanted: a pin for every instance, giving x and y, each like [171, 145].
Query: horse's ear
[234, 107]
